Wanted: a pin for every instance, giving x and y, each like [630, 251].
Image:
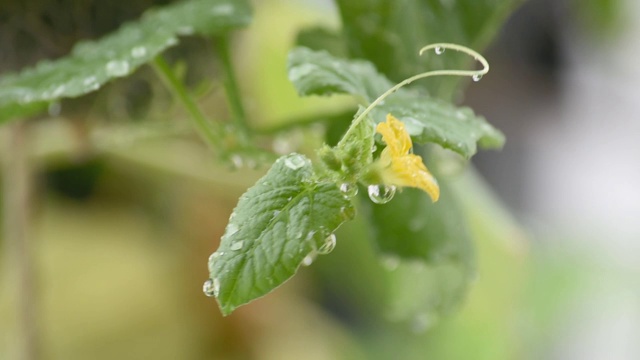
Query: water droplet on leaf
[381, 194]
[390, 262]
[308, 260]
[294, 162]
[211, 287]
[329, 245]
[231, 229]
[236, 245]
[138, 51]
[423, 321]
[117, 68]
[349, 189]
[347, 212]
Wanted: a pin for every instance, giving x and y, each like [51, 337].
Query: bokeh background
[127, 203]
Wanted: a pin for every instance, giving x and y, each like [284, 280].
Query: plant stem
[231, 85]
[211, 132]
[16, 194]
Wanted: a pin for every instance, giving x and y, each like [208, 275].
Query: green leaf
[93, 63]
[429, 250]
[319, 38]
[390, 33]
[427, 119]
[319, 73]
[286, 217]
[432, 120]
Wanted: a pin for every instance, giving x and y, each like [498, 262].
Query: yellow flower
[398, 166]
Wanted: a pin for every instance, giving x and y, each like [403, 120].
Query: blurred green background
[128, 205]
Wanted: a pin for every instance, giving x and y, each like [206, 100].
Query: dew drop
[117, 68]
[349, 189]
[224, 9]
[294, 162]
[347, 212]
[476, 77]
[88, 81]
[439, 50]
[329, 245]
[381, 194]
[211, 287]
[236, 245]
[231, 230]
[138, 51]
[308, 260]
[236, 161]
[424, 321]
[58, 91]
[185, 30]
[213, 257]
[390, 262]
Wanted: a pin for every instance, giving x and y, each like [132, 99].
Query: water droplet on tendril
[476, 77]
[329, 245]
[439, 50]
[381, 194]
[211, 287]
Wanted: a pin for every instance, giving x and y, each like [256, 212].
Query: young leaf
[427, 119]
[93, 63]
[286, 217]
[352, 154]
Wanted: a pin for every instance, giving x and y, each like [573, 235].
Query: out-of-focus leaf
[287, 216]
[390, 33]
[320, 73]
[319, 38]
[427, 119]
[93, 63]
[428, 250]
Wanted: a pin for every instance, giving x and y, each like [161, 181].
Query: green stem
[231, 85]
[210, 131]
[476, 74]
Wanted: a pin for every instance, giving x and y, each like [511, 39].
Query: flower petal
[399, 167]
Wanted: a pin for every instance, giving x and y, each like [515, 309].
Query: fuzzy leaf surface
[286, 216]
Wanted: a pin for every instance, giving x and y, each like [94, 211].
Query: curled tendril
[475, 74]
